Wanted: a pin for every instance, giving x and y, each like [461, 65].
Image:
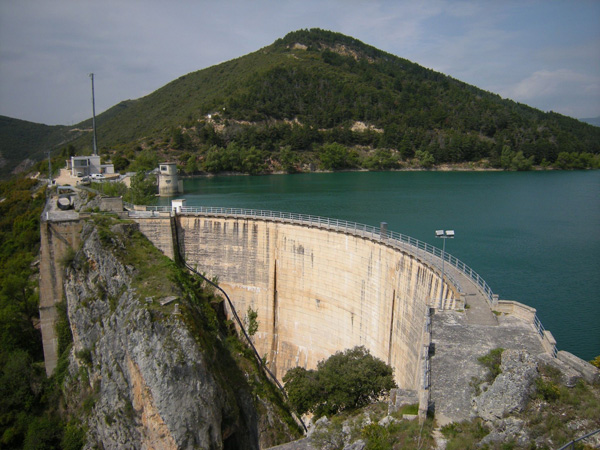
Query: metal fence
[422, 249]
[541, 331]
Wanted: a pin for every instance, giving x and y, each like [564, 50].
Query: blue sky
[544, 53]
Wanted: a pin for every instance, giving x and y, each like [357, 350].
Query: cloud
[546, 82]
[559, 90]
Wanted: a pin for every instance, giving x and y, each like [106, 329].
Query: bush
[492, 361]
[347, 380]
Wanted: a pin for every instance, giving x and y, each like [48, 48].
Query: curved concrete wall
[317, 291]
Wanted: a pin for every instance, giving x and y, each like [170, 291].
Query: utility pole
[94, 115]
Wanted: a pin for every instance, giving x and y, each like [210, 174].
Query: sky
[544, 53]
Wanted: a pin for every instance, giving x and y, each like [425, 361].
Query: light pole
[443, 234]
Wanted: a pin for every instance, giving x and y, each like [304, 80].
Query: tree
[424, 158]
[288, 159]
[334, 156]
[347, 380]
[120, 162]
[142, 190]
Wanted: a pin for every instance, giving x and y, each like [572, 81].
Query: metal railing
[541, 331]
[571, 445]
[422, 249]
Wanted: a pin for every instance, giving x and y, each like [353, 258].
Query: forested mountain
[318, 99]
[23, 143]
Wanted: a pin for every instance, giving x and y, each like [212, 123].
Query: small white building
[82, 166]
[169, 183]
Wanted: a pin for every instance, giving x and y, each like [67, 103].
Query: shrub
[347, 380]
[492, 361]
[251, 322]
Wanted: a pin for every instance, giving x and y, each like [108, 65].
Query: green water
[533, 236]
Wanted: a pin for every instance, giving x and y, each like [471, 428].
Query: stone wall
[316, 291]
[158, 229]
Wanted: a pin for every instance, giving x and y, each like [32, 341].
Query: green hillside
[22, 143]
[318, 99]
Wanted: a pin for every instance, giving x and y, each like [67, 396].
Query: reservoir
[533, 236]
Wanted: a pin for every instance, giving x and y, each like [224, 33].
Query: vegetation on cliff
[280, 107]
[22, 378]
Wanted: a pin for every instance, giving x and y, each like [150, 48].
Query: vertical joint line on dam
[275, 341]
[391, 327]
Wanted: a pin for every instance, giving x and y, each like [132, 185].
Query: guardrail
[537, 323]
[422, 249]
[571, 445]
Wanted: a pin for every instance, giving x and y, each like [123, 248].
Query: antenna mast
[94, 115]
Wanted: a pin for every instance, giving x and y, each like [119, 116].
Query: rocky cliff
[152, 364]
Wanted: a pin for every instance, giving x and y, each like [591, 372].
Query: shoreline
[441, 168]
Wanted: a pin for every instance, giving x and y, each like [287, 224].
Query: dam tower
[168, 180]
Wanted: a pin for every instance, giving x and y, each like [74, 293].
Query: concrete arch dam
[318, 285]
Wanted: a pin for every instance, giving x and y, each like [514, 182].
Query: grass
[154, 272]
[464, 435]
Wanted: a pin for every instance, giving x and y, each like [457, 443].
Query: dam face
[316, 291]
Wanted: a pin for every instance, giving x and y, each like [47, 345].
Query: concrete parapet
[524, 312]
[590, 373]
[548, 342]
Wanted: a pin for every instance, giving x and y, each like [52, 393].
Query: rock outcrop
[512, 388]
[147, 374]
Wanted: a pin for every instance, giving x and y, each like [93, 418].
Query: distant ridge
[284, 107]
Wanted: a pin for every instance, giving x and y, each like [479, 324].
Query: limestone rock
[356, 445]
[569, 376]
[387, 421]
[511, 390]
[137, 368]
[505, 430]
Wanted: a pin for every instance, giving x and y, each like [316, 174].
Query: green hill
[23, 143]
[321, 99]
